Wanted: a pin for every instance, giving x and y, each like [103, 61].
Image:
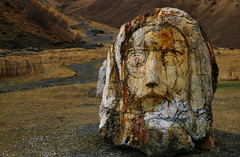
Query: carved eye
[171, 60]
[136, 61]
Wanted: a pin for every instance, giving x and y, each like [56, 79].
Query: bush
[214, 2]
[97, 31]
[76, 27]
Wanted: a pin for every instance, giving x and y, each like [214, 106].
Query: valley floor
[63, 120]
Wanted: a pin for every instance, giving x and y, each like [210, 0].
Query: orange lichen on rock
[209, 142]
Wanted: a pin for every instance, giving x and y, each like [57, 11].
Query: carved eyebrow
[175, 51]
[137, 50]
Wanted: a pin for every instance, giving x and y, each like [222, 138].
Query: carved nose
[152, 76]
[151, 84]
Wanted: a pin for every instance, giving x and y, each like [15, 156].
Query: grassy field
[226, 107]
[43, 112]
[54, 63]
[228, 63]
[41, 119]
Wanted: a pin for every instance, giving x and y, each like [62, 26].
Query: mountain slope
[220, 19]
[18, 31]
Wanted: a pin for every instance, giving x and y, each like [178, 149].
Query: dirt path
[85, 73]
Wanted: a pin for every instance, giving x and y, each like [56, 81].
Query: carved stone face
[156, 65]
[161, 75]
[155, 72]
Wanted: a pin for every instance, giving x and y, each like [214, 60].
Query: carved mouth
[153, 96]
[151, 101]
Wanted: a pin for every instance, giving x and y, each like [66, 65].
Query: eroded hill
[48, 29]
[18, 31]
[220, 19]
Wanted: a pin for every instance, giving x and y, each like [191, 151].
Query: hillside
[17, 31]
[220, 19]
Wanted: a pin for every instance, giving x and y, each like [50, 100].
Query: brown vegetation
[38, 24]
[34, 116]
[219, 18]
[42, 117]
[226, 109]
[17, 31]
[19, 68]
[52, 62]
[43, 112]
[35, 10]
[228, 63]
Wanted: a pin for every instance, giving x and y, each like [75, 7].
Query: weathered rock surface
[160, 80]
[101, 79]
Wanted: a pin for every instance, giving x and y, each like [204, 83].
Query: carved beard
[169, 113]
[173, 121]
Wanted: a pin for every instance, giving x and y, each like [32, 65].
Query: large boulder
[161, 76]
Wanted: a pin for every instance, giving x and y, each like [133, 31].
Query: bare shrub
[22, 68]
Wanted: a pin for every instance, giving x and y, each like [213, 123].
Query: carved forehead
[159, 17]
[165, 37]
[176, 23]
[195, 39]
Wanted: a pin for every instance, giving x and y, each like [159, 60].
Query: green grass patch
[229, 84]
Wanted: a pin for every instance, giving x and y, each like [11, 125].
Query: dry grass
[30, 114]
[48, 112]
[44, 111]
[226, 108]
[54, 62]
[102, 26]
[228, 63]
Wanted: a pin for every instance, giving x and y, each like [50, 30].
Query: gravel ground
[85, 141]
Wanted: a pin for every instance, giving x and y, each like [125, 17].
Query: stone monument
[161, 75]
